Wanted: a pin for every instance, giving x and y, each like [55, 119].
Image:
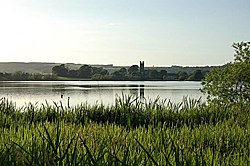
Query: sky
[123, 32]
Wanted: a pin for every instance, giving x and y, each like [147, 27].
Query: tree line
[131, 73]
[24, 76]
[87, 72]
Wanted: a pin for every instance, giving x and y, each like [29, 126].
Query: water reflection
[72, 93]
[133, 91]
[141, 91]
[137, 90]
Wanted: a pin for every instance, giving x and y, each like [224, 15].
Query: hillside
[11, 67]
[34, 67]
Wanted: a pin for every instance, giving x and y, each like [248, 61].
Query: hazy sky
[123, 32]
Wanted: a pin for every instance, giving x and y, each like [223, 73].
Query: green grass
[133, 131]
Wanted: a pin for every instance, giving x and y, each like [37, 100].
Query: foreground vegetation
[131, 132]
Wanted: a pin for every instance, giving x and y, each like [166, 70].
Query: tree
[85, 71]
[163, 74]
[73, 73]
[182, 76]
[230, 83]
[154, 75]
[196, 76]
[123, 70]
[19, 75]
[61, 70]
[120, 74]
[104, 72]
[96, 70]
[117, 75]
[133, 69]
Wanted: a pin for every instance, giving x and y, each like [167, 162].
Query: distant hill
[36, 67]
[11, 67]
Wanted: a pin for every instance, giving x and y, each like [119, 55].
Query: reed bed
[133, 131]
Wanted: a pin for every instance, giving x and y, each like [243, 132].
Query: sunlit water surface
[91, 92]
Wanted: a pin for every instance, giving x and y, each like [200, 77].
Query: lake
[23, 92]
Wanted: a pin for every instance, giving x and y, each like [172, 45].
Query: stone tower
[142, 71]
[141, 66]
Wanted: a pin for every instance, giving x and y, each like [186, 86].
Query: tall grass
[133, 131]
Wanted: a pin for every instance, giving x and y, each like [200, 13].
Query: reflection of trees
[133, 91]
[137, 90]
[58, 89]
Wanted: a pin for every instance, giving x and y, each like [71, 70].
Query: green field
[131, 132]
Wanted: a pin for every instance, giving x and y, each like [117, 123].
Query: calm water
[23, 92]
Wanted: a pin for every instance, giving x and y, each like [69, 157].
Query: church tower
[141, 66]
[142, 71]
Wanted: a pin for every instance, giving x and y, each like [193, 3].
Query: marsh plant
[133, 131]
